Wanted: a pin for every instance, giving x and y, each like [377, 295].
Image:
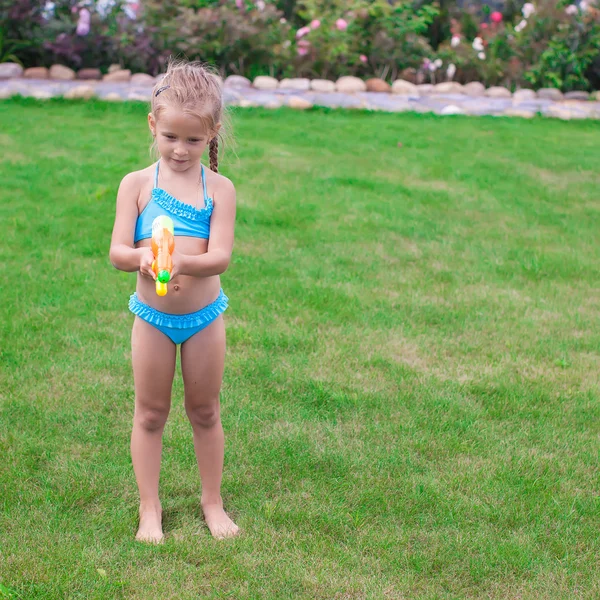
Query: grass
[411, 390]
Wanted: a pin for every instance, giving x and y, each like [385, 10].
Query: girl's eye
[170, 137]
[194, 140]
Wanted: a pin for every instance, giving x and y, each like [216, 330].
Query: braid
[213, 153]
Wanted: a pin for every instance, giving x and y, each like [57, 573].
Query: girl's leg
[202, 361]
[153, 357]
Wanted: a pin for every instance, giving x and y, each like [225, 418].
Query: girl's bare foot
[150, 529]
[220, 525]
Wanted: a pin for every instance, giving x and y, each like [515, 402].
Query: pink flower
[363, 58]
[315, 24]
[341, 24]
[239, 4]
[303, 47]
[83, 24]
[571, 9]
[302, 32]
[496, 17]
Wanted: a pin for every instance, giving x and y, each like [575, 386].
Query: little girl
[185, 118]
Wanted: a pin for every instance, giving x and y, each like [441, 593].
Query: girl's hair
[196, 90]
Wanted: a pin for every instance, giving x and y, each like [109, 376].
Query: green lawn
[411, 396]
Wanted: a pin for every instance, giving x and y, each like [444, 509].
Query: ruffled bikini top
[187, 219]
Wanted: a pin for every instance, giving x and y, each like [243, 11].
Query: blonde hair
[196, 90]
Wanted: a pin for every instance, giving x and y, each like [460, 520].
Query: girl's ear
[152, 124]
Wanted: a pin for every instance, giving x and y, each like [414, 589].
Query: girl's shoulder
[218, 184]
[138, 184]
[139, 178]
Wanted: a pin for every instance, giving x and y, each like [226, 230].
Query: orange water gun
[163, 244]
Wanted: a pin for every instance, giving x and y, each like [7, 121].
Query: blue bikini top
[187, 219]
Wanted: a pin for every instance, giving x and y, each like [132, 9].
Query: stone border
[447, 98]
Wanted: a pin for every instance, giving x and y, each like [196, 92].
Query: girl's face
[181, 138]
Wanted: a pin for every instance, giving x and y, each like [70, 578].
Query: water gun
[163, 244]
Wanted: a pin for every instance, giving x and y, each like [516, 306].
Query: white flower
[260, 4]
[528, 9]
[455, 41]
[286, 44]
[130, 8]
[521, 26]
[571, 9]
[583, 6]
[481, 56]
[478, 44]
[438, 62]
[451, 70]
[48, 11]
[283, 20]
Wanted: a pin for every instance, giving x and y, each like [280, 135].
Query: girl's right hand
[146, 260]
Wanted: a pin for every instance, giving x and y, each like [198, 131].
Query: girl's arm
[123, 255]
[220, 244]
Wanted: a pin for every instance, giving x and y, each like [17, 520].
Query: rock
[404, 88]
[237, 81]
[114, 68]
[595, 96]
[566, 113]
[299, 103]
[524, 96]
[113, 97]
[272, 104]
[550, 94]
[231, 96]
[322, 85]
[62, 73]
[298, 84]
[81, 91]
[10, 70]
[246, 103]
[523, 114]
[36, 73]
[338, 100]
[588, 110]
[41, 94]
[388, 102]
[449, 87]
[89, 74]
[140, 96]
[378, 85]
[426, 89]
[349, 85]
[583, 96]
[474, 89]
[264, 82]
[497, 91]
[6, 92]
[120, 76]
[452, 109]
[142, 79]
[409, 75]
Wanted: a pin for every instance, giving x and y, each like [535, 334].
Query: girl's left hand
[178, 261]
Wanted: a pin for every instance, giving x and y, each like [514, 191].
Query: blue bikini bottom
[179, 328]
